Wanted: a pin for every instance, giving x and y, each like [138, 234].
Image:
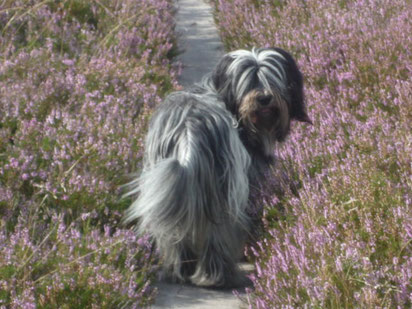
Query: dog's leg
[171, 257]
[179, 261]
[222, 250]
[188, 262]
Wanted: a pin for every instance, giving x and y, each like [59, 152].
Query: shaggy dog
[207, 149]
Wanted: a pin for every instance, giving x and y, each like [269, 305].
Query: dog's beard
[265, 117]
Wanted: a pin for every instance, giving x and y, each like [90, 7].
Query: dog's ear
[295, 88]
[219, 76]
[223, 83]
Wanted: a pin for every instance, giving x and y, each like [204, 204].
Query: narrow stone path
[198, 40]
[200, 48]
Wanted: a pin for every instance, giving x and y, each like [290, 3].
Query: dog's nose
[264, 100]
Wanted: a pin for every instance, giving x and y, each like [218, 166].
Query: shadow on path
[184, 296]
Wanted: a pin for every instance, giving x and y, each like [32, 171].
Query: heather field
[78, 80]
[340, 228]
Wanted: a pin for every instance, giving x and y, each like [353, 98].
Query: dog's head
[263, 88]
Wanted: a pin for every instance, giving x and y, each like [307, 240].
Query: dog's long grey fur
[193, 191]
[206, 150]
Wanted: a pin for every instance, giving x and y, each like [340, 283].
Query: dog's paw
[205, 280]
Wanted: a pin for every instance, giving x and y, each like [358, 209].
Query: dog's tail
[175, 201]
[163, 200]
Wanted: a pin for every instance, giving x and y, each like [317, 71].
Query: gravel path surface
[201, 48]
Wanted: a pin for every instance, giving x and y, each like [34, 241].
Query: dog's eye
[264, 100]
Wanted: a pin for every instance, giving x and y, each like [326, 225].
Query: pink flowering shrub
[78, 80]
[339, 235]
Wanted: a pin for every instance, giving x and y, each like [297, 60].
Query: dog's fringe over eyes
[207, 148]
[267, 65]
